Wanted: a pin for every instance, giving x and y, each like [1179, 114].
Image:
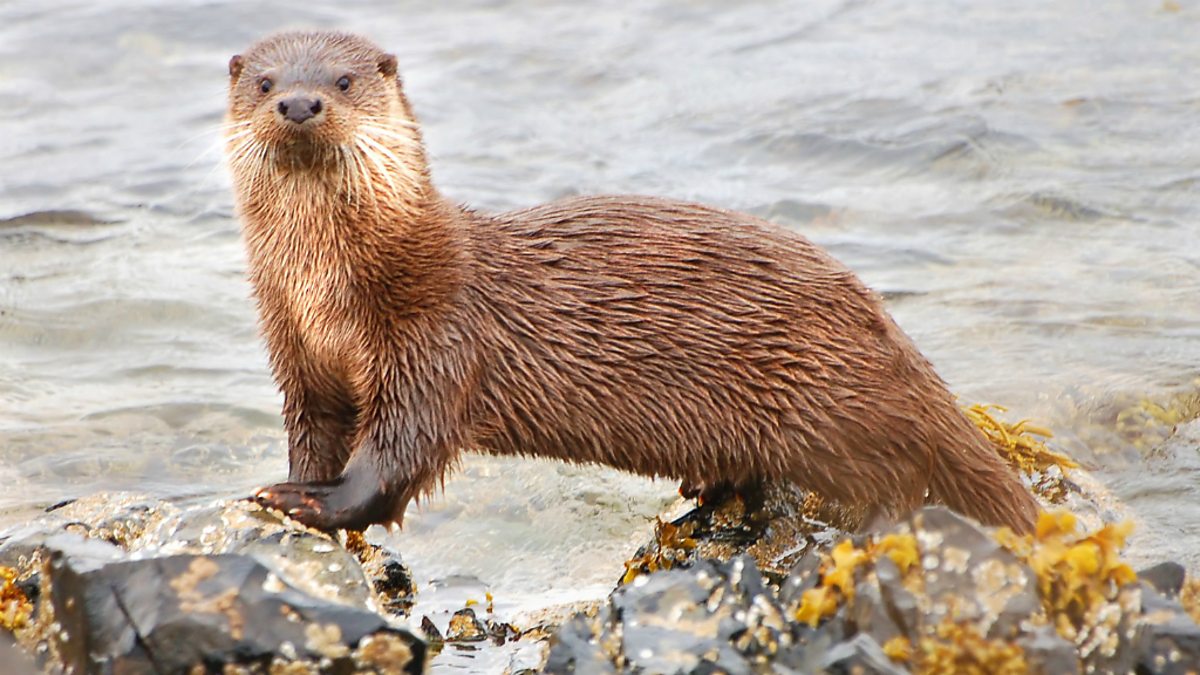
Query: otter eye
[343, 83]
[265, 85]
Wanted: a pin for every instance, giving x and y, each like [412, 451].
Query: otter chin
[660, 337]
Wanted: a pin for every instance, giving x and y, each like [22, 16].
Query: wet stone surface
[169, 614]
[126, 584]
[937, 593]
[229, 584]
[464, 627]
[680, 621]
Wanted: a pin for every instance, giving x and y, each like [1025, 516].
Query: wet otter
[659, 337]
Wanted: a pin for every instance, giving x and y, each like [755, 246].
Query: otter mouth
[304, 151]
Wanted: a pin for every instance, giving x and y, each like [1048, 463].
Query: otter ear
[387, 65]
[235, 66]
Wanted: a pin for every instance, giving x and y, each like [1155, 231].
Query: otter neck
[378, 240]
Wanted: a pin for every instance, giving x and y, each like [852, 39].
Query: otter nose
[299, 108]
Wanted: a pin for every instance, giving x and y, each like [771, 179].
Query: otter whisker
[362, 174]
[391, 122]
[407, 141]
[385, 151]
[370, 154]
[343, 167]
[349, 175]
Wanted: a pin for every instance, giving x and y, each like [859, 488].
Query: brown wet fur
[656, 336]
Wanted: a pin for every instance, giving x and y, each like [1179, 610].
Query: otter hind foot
[329, 505]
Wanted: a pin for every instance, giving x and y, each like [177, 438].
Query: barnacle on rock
[959, 648]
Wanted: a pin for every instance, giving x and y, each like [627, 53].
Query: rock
[1047, 653]
[173, 613]
[860, 655]
[1166, 578]
[680, 621]
[433, 637]
[393, 583]
[967, 570]
[464, 627]
[936, 593]
[577, 650]
[13, 661]
[1167, 638]
[306, 558]
[1168, 645]
[775, 525]
[114, 518]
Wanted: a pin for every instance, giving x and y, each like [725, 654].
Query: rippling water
[1020, 179]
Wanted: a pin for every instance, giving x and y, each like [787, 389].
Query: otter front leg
[320, 428]
[352, 501]
[392, 463]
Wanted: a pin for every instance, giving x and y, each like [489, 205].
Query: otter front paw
[338, 504]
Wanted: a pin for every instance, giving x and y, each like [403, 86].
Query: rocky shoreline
[115, 583]
[763, 583]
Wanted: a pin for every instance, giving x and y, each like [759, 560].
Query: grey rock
[966, 568]
[1046, 653]
[169, 614]
[1167, 638]
[576, 649]
[305, 558]
[1166, 578]
[860, 655]
[710, 618]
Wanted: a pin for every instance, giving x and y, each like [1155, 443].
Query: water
[1020, 180]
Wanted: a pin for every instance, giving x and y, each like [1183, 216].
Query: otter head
[322, 105]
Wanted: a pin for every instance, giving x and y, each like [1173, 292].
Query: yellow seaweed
[15, 608]
[1018, 443]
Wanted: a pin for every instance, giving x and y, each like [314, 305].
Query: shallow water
[1020, 180]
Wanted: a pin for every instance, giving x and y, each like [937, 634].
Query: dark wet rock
[775, 524]
[390, 578]
[464, 627]
[13, 661]
[433, 636]
[172, 613]
[307, 558]
[860, 655]
[1168, 643]
[1166, 578]
[679, 621]
[116, 518]
[936, 593]
[1047, 653]
[269, 591]
[395, 583]
[500, 632]
[576, 648]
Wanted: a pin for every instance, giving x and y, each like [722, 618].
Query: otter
[660, 337]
